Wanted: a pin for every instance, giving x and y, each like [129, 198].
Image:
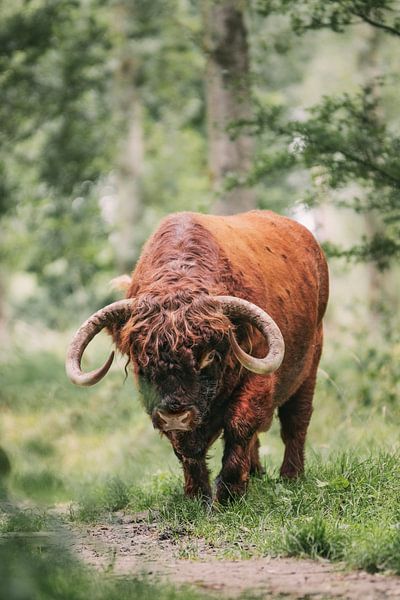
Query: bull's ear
[207, 358]
[120, 283]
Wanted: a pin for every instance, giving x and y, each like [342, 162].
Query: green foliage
[57, 141]
[342, 142]
[345, 140]
[335, 14]
[53, 77]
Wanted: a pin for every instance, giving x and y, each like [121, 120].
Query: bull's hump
[181, 252]
[184, 238]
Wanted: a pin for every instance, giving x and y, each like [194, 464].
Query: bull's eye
[207, 359]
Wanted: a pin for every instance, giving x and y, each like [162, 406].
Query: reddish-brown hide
[259, 256]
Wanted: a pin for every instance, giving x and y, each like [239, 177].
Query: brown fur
[261, 257]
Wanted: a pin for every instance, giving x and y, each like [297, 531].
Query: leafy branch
[344, 143]
[335, 14]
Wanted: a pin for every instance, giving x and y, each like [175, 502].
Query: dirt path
[133, 547]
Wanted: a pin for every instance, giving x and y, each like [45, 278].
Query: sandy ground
[133, 546]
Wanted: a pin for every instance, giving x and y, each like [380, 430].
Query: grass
[62, 440]
[344, 509]
[95, 449]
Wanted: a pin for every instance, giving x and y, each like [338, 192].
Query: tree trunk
[228, 99]
[126, 238]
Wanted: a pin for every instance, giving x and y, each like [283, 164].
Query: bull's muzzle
[182, 421]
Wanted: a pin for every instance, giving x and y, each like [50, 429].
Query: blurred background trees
[116, 113]
[228, 100]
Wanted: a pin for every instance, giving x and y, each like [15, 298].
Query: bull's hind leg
[295, 417]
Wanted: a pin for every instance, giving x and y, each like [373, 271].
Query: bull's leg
[255, 465]
[191, 449]
[240, 460]
[295, 417]
[234, 476]
[197, 481]
[251, 411]
[196, 476]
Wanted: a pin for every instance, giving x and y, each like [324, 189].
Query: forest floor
[131, 546]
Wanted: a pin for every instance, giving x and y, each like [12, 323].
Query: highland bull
[223, 324]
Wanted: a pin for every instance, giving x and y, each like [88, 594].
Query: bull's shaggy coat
[176, 336]
[267, 259]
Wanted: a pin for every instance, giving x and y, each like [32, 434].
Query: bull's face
[181, 351]
[179, 388]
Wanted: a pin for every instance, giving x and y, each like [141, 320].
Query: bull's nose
[174, 421]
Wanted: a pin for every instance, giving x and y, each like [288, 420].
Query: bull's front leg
[197, 478]
[234, 476]
[191, 450]
[247, 415]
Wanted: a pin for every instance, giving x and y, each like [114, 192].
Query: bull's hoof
[205, 496]
[229, 492]
[290, 473]
[257, 471]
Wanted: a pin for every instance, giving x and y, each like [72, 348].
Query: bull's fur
[266, 259]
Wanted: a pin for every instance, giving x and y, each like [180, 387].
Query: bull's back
[276, 256]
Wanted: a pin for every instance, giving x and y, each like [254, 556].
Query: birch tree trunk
[228, 99]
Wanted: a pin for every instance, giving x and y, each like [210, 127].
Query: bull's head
[178, 381]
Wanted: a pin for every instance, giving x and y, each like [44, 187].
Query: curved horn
[237, 307]
[117, 311]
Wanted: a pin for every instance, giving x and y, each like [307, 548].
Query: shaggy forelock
[162, 328]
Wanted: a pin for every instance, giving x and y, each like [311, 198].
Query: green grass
[344, 509]
[22, 521]
[96, 449]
